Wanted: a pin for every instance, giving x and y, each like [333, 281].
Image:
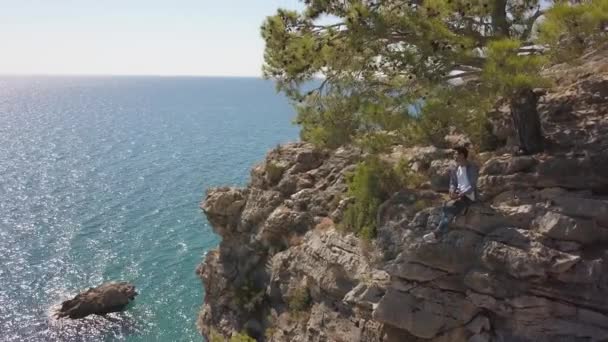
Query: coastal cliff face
[527, 263]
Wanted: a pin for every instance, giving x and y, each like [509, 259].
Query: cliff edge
[527, 263]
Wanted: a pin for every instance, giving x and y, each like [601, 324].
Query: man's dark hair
[463, 151]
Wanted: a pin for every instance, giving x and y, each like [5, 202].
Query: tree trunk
[526, 121]
[499, 19]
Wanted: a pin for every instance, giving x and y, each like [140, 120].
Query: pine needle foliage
[406, 71]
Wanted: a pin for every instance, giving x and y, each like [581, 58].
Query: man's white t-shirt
[463, 182]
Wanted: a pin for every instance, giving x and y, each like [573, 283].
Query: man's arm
[474, 176]
[467, 190]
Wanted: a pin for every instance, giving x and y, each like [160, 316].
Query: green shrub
[421, 204]
[241, 337]
[248, 296]
[368, 233]
[270, 327]
[407, 177]
[377, 142]
[331, 122]
[274, 172]
[364, 187]
[461, 108]
[299, 300]
[214, 336]
[373, 182]
[270, 331]
[569, 30]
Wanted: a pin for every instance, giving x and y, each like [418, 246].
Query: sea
[101, 180]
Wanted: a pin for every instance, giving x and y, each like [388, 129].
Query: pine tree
[408, 70]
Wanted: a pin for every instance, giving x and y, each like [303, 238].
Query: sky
[134, 37]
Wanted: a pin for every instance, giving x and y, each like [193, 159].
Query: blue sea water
[101, 178]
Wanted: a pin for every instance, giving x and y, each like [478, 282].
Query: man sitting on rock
[463, 191]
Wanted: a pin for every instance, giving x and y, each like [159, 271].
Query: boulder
[424, 312]
[259, 205]
[414, 271]
[490, 186]
[479, 324]
[533, 261]
[364, 295]
[439, 174]
[101, 300]
[583, 207]
[307, 159]
[508, 165]
[288, 185]
[457, 140]
[283, 222]
[223, 207]
[582, 173]
[561, 227]
[480, 218]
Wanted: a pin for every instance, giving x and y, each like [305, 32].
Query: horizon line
[3, 74]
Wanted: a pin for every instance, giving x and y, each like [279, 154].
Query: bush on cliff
[372, 182]
[368, 186]
[242, 338]
[274, 172]
[299, 300]
[217, 337]
[417, 68]
[248, 296]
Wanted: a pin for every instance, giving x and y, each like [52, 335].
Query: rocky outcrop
[296, 189]
[101, 300]
[527, 263]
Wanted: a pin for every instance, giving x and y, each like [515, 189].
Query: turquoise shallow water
[100, 179]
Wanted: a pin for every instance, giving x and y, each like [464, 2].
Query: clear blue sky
[134, 37]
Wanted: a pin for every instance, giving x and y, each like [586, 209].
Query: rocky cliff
[528, 263]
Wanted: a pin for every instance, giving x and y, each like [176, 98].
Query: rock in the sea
[106, 298]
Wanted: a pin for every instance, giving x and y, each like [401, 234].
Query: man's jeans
[451, 210]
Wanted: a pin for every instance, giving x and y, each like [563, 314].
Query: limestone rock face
[529, 262]
[291, 195]
[101, 300]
